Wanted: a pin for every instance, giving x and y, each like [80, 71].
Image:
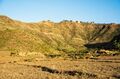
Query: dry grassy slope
[50, 37]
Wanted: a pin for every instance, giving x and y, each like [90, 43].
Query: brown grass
[26, 68]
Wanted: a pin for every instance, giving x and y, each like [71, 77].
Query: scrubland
[64, 50]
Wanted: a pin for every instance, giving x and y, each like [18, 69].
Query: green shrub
[117, 44]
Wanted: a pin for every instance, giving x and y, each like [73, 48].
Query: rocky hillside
[53, 38]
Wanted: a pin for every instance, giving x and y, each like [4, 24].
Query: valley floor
[37, 68]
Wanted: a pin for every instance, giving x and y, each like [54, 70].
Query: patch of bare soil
[26, 68]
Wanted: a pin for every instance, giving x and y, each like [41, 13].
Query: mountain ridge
[55, 38]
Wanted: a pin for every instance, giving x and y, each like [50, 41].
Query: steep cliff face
[50, 37]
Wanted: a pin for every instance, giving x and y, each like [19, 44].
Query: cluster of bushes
[69, 53]
[117, 44]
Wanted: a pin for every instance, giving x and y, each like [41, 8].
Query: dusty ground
[37, 68]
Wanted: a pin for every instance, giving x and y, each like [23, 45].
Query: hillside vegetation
[61, 39]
